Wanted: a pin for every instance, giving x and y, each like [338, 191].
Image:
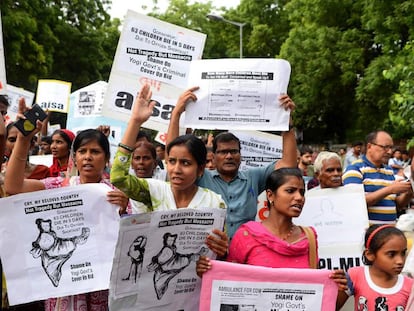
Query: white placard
[44, 159]
[333, 210]
[157, 50]
[57, 242]
[13, 96]
[239, 94]
[88, 101]
[53, 95]
[154, 264]
[133, 63]
[258, 148]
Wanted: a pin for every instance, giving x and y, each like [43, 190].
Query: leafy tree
[267, 26]
[338, 51]
[387, 96]
[351, 59]
[401, 112]
[323, 49]
[194, 16]
[62, 39]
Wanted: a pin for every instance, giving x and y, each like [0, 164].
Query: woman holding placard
[186, 159]
[90, 153]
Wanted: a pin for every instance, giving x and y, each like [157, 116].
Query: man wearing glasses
[239, 189]
[383, 194]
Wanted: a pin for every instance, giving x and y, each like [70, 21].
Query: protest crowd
[190, 172]
[188, 184]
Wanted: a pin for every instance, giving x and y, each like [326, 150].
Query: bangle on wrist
[130, 149]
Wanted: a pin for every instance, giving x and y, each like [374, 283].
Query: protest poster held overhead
[157, 50]
[3, 81]
[151, 51]
[53, 95]
[239, 94]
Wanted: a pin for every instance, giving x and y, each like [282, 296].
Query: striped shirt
[362, 171]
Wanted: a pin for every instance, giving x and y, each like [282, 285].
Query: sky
[120, 7]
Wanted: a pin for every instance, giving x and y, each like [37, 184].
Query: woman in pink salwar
[276, 242]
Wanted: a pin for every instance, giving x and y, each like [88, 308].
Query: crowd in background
[189, 172]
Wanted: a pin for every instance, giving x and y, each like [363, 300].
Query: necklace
[287, 236]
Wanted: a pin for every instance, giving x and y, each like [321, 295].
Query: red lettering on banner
[163, 137]
[153, 83]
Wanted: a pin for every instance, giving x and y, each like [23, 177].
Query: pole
[222, 19]
[241, 40]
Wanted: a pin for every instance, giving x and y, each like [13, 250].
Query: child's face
[390, 258]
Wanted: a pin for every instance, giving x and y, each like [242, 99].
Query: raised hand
[143, 106]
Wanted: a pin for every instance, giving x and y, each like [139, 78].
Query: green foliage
[352, 60]
[338, 51]
[62, 39]
[325, 61]
[401, 113]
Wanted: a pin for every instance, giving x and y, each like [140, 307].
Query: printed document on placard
[239, 94]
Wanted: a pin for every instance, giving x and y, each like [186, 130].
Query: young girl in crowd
[143, 164]
[277, 242]
[379, 285]
[186, 158]
[144, 159]
[60, 147]
[91, 153]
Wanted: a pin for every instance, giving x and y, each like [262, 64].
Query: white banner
[157, 50]
[57, 242]
[53, 95]
[239, 94]
[13, 96]
[154, 264]
[333, 210]
[45, 159]
[340, 218]
[152, 52]
[258, 148]
[3, 81]
[88, 101]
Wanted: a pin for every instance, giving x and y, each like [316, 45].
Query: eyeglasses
[385, 148]
[227, 151]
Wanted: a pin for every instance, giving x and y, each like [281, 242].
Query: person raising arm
[186, 158]
[91, 153]
[239, 189]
